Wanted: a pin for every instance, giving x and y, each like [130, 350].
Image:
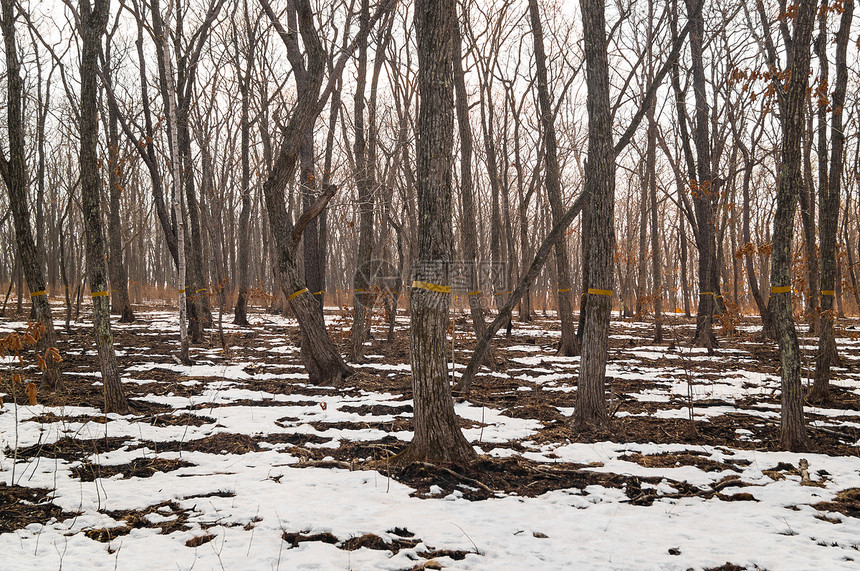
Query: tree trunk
[319, 354]
[656, 255]
[590, 410]
[176, 199]
[14, 175]
[363, 296]
[569, 343]
[120, 303]
[703, 191]
[437, 437]
[93, 21]
[470, 225]
[240, 313]
[792, 112]
[829, 199]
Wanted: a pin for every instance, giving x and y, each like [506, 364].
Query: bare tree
[93, 18]
[792, 102]
[569, 343]
[14, 173]
[322, 359]
[829, 192]
[244, 80]
[438, 437]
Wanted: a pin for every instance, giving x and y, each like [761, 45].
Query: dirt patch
[183, 419]
[165, 516]
[51, 418]
[677, 459]
[20, 506]
[199, 540]
[377, 409]
[373, 541]
[847, 502]
[70, 449]
[137, 468]
[220, 443]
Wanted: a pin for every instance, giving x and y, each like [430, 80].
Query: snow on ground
[248, 501]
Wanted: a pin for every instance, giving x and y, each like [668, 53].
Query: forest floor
[237, 462]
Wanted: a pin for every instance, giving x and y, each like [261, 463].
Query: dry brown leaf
[31, 393]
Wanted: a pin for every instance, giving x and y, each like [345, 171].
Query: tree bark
[703, 191]
[93, 21]
[176, 199]
[793, 109]
[363, 296]
[470, 224]
[590, 410]
[119, 298]
[319, 354]
[437, 437]
[569, 343]
[240, 313]
[14, 174]
[829, 199]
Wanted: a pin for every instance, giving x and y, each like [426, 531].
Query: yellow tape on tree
[100, 293]
[565, 290]
[297, 294]
[829, 292]
[600, 291]
[432, 287]
[780, 289]
[38, 293]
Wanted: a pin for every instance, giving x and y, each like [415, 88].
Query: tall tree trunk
[703, 190]
[120, 303]
[176, 199]
[363, 296]
[470, 224]
[807, 217]
[93, 21]
[437, 436]
[319, 354]
[656, 261]
[569, 343]
[240, 313]
[590, 410]
[14, 174]
[792, 113]
[829, 199]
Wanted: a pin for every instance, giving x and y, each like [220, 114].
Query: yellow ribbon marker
[476, 292]
[600, 291]
[829, 292]
[100, 293]
[432, 287]
[180, 291]
[565, 290]
[318, 292]
[203, 289]
[780, 289]
[38, 293]
[706, 293]
[297, 294]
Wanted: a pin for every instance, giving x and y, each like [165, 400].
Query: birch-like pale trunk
[176, 195]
